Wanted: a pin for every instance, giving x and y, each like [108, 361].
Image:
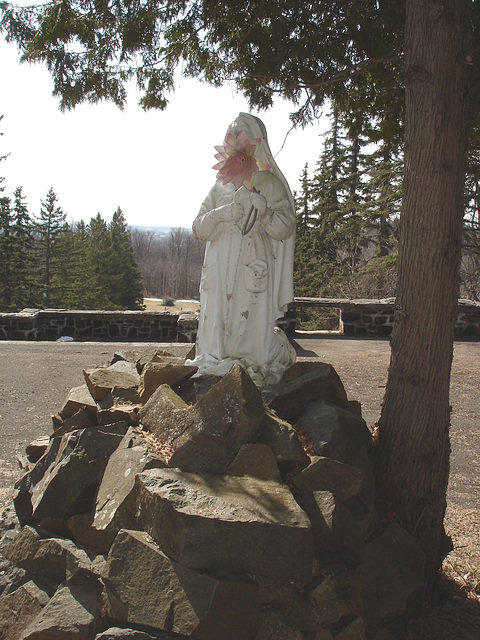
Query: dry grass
[455, 615]
[179, 305]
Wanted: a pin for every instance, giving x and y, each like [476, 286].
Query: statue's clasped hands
[259, 207]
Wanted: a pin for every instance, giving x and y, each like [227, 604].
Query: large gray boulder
[82, 419]
[282, 439]
[226, 523]
[55, 558]
[392, 576]
[101, 381]
[304, 382]
[19, 608]
[22, 494]
[276, 627]
[76, 399]
[115, 503]
[255, 460]
[326, 474]
[74, 613]
[69, 472]
[177, 599]
[155, 374]
[205, 437]
[335, 432]
[334, 597]
[335, 531]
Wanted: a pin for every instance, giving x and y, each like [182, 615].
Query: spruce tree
[25, 292]
[7, 273]
[98, 246]
[2, 178]
[85, 290]
[126, 286]
[48, 226]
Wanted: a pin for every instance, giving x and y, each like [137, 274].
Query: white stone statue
[248, 223]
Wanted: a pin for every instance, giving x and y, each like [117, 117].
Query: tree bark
[413, 447]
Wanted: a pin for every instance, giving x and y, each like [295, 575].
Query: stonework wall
[357, 318]
[52, 324]
[376, 317]
[366, 321]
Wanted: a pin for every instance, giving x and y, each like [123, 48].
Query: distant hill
[159, 231]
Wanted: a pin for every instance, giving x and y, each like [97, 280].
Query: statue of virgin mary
[247, 275]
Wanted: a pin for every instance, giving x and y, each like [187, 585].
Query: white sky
[156, 166]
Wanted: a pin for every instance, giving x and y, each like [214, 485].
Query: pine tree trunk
[413, 450]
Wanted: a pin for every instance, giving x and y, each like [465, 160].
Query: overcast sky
[156, 166]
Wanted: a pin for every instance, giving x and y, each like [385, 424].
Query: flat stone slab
[226, 523]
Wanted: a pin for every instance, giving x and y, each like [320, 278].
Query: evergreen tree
[97, 258]
[17, 286]
[26, 288]
[85, 290]
[48, 226]
[384, 195]
[7, 273]
[2, 178]
[308, 273]
[64, 273]
[125, 286]
[327, 190]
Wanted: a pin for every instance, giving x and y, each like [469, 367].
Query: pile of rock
[166, 506]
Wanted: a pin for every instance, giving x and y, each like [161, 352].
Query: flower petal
[237, 160]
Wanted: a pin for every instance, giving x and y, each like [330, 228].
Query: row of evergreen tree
[48, 263]
[348, 218]
[347, 229]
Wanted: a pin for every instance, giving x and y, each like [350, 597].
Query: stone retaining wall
[376, 317]
[52, 324]
[357, 318]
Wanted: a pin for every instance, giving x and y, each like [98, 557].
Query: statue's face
[253, 129]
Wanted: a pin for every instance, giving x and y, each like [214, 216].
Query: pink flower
[237, 160]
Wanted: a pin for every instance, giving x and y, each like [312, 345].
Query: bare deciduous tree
[170, 265]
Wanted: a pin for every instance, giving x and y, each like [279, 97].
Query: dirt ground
[36, 376]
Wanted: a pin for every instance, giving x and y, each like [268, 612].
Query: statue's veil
[254, 128]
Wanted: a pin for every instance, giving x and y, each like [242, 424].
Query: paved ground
[35, 378]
